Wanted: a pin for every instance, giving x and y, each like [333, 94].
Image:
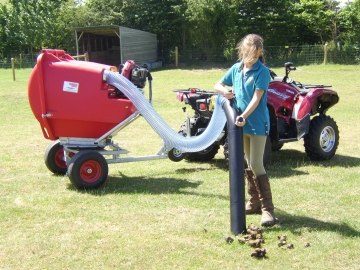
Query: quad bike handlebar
[288, 67]
[302, 88]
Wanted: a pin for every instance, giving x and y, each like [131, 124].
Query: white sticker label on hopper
[72, 87]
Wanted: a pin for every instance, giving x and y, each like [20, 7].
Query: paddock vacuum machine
[82, 105]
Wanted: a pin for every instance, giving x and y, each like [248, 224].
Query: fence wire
[275, 56]
[20, 61]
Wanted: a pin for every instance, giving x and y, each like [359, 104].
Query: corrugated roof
[104, 30]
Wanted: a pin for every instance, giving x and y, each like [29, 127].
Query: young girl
[250, 80]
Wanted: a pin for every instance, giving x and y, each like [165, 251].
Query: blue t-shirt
[245, 85]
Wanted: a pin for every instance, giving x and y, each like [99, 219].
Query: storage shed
[113, 45]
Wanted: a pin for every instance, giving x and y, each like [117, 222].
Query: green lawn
[166, 215]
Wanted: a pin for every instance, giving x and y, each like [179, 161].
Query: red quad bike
[296, 111]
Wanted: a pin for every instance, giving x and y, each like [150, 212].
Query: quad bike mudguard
[292, 106]
[317, 100]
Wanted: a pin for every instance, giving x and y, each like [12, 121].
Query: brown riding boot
[253, 205]
[267, 207]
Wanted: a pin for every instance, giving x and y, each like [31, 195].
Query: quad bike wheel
[276, 146]
[323, 138]
[206, 154]
[88, 169]
[267, 152]
[54, 158]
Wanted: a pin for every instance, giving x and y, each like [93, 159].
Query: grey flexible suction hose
[198, 143]
[170, 137]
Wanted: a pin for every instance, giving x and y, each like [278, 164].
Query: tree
[320, 17]
[8, 42]
[37, 23]
[100, 12]
[208, 24]
[3, 24]
[73, 13]
[350, 23]
[164, 18]
[332, 11]
[272, 19]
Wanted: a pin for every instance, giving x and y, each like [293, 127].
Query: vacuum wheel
[54, 158]
[88, 169]
[176, 155]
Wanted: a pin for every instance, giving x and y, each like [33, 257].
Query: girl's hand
[240, 121]
[229, 94]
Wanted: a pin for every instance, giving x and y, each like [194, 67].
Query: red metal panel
[70, 99]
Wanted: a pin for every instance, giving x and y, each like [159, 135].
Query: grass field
[166, 215]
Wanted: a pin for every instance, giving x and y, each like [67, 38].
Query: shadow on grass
[295, 158]
[147, 185]
[286, 163]
[298, 224]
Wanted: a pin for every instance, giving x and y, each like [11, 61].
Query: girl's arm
[253, 103]
[221, 89]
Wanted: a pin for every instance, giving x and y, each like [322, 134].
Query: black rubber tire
[176, 155]
[276, 147]
[54, 158]
[267, 152]
[323, 138]
[206, 154]
[88, 169]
